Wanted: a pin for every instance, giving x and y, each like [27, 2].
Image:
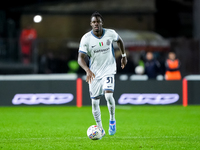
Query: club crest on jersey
[108, 42]
[100, 43]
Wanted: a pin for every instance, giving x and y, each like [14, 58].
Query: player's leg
[95, 94]
[96, 112]
[108, 87]
[111, 104]
[111, 107]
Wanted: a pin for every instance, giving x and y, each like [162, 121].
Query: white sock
[111, 105]
[96, 112]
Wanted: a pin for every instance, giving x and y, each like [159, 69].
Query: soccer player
[97, 45]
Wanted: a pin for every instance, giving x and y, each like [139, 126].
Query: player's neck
[98, 33]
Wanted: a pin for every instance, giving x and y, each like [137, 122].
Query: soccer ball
[94, 132]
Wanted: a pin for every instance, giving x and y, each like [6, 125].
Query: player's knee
[109, 98]
[95, 103]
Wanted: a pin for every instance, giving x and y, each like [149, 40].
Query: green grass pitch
[170, 127]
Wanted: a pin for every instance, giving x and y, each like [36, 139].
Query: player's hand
[123, 62]
[89, 76]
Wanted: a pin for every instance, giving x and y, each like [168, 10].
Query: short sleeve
[115, 36]
[83, 45]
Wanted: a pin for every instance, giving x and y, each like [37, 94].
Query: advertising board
[142, 92]
[57, 92]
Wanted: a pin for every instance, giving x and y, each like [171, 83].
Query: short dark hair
[96, 14]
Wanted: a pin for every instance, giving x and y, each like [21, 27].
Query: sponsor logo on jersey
[93, 46]
[101, 50]
[43, 98]
[153, 99]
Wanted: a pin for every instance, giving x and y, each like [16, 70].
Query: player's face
[96, 24]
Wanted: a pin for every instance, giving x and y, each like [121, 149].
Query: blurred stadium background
[64, 22]
[49, 75]
[159, 26]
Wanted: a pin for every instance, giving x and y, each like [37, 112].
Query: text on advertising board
[154, 99]
[42, 98]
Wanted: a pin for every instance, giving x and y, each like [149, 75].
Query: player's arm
[120, 44]
[81, 61]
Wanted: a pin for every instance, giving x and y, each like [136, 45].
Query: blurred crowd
[50, 63]
[152, 64]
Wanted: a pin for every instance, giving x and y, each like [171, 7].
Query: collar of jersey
[96, 36]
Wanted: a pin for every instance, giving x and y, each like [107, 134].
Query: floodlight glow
[37, 19]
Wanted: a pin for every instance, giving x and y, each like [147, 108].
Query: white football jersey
[100, 51]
